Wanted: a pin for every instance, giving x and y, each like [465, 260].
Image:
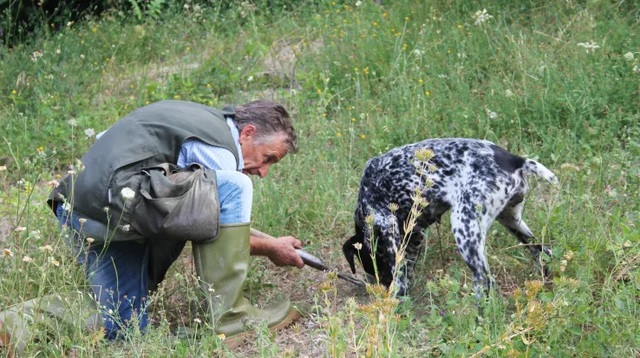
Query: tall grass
[554, 81]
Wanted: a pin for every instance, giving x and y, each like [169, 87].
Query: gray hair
[270, 119]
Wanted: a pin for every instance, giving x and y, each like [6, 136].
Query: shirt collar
[236, 139]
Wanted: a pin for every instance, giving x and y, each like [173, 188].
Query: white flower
[89, 132]
[491, 114]
[481, 16]
[48, 248]
[66, 206]
[636, 69]
[127, 193]
[26, 259]
[72, 122]
[197, 320]
[629, 56]
[590, 46]
[357, 246]
[90, 240]
[126, 228]
[508, 93]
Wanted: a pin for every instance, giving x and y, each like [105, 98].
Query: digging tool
[315, 262]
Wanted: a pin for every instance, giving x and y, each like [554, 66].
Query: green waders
[222, 266]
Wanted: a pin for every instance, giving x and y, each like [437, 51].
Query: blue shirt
[212, 157]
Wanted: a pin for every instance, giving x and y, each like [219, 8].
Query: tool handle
[311, 260]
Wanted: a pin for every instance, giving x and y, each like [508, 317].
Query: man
[123, 265]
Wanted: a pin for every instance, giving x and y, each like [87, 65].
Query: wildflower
[481, 16]
[89, 132]
[26, 259]
[48, 248]
[127, 193]
[629, 56]
[222, 336]
[3, 168]
[358, 3]
[357, 246]
[393, 207]
[636, 69]
[126, 228]
[72, 122]
[90, 240]
[54, 262]
[589, 46]
[491, 114]
[7, 252]
[20, 229]
[570, 166]
[35, 56]
[508, 93]
[362, 136]
[338, 134]
[424, 154]
[66, 206]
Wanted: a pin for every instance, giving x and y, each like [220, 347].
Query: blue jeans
[121, 273]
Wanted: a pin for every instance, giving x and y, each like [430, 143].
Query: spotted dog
[475, 179]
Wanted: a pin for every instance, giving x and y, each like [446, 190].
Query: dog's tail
[530, 166]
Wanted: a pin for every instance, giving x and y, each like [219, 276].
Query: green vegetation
[554, 81]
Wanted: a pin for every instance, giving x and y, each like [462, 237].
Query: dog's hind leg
[511, 218]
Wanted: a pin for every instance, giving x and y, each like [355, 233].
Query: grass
[554, 81]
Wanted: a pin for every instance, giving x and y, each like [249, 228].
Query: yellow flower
[222, 336]
[362, 136]
[427, 93]
[7, 252]
[338, 134]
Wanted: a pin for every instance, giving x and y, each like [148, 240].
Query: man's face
[259, 157]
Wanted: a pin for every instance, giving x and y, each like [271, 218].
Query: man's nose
[263, 171]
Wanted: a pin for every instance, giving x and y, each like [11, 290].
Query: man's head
[266, 135]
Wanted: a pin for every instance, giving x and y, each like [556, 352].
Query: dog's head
[355, 247]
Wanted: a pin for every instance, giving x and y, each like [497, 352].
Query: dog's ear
[349, 252]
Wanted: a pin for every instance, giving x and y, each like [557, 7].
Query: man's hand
[281, 251]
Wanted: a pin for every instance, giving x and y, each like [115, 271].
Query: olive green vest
[149, 136]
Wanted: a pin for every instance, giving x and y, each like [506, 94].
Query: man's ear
[247, 131]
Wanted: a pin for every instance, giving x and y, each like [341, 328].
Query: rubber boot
[222, 266]
[49, 313]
